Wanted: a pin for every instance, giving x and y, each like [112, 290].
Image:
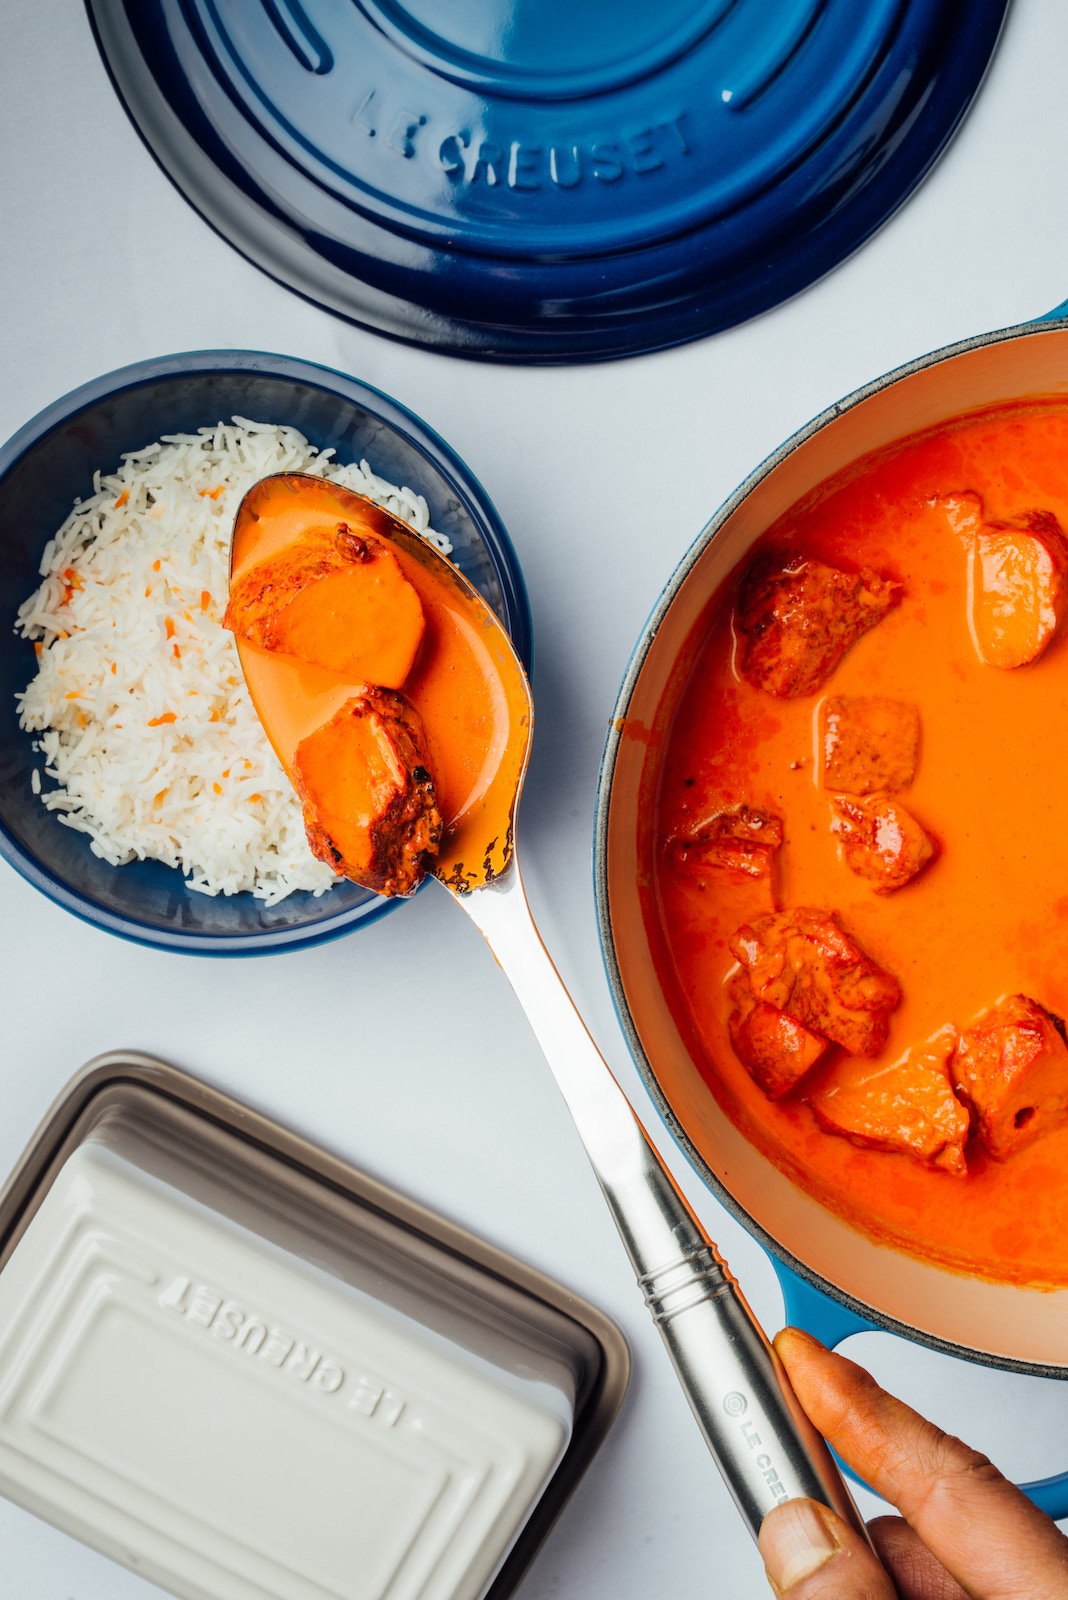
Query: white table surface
[603, 476]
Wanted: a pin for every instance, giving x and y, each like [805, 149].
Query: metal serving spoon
[761, 1440]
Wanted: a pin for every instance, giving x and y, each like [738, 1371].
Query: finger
[916, 1573]
[978, 1525]
[811, 1554]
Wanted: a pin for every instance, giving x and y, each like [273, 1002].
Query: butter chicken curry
[859, 899]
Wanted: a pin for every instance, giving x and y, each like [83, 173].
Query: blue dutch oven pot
[835, 1281]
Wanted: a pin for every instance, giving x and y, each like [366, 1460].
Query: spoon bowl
[480, 793]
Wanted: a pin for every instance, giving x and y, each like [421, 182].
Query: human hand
[967, 1531]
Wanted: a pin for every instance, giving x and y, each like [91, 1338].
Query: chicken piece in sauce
[775, 1049]
[881, 841]
[907, 1107]
[797, 618]
[1019, 588]
[1017, 579]
[964, 513]
[870, 745]
[1011, 1068]
[741, 840]
[804, 963]
[369, 806]
[334, 598]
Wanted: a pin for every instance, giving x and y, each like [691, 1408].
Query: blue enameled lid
[553, 180]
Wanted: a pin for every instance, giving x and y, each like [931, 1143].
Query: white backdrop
[603, 476]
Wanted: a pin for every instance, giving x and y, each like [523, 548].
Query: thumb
[811, 1554]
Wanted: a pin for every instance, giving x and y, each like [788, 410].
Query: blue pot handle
[815, 1312]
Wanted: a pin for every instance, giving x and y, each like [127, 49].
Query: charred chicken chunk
[369, 807]
[908, 1107]
[773, 1047]
[798, 617]
[870, 745]
[804, 963]
[741, 840]
[1019, 588]
[334, 598]
[881, 841]
[1011, 1068]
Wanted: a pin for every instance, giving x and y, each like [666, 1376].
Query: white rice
[144, 720]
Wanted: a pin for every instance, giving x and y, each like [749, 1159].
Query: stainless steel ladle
[761, 1440]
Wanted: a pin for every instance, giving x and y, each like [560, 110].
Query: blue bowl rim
[416, 433]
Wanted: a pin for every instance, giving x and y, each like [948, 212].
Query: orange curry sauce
[988, 918]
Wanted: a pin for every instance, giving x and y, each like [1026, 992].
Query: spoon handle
[761, 1440]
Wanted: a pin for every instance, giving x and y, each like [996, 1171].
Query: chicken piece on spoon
[335, 598]
[369, 805]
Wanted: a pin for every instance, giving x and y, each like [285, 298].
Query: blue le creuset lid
[540, 180]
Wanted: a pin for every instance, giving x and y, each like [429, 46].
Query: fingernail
[795, 1542]
[805, 1337]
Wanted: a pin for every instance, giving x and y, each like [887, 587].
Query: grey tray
[342, 1228]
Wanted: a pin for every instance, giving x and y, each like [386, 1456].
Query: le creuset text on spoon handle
[761, 1440]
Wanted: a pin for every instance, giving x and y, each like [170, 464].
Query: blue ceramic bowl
[51, 461]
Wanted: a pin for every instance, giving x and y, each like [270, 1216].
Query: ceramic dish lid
[540, 180]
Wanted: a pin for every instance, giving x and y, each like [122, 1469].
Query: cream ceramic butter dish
[234, 1364]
